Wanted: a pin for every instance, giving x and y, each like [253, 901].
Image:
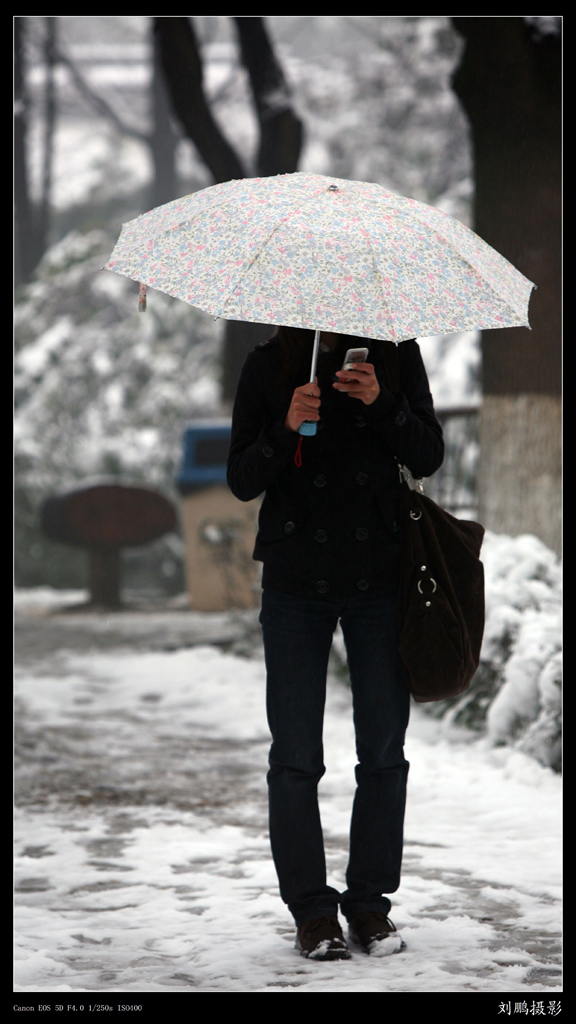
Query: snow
[452, 363]
[524, 620]
[142, 858]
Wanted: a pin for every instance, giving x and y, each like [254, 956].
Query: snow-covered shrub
[523, 645]
[100, 389]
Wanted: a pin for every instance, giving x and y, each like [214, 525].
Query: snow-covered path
[142, 858]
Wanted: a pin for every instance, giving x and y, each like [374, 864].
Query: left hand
[361, 382]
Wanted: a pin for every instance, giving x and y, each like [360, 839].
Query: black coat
[330, 527]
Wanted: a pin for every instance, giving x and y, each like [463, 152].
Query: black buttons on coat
[321, 536]
[320, 480]
[361, 533]
[362, 584]
[360, 420]
[400, 418]
[267, 450]
[289, 527]
[322, 586]
[361, 479]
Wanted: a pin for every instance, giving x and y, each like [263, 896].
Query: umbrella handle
[309, 427]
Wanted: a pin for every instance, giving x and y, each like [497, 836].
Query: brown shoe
[375, 933]
[322, 939]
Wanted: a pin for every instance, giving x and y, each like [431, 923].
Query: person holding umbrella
[329, 540]
[329, 255]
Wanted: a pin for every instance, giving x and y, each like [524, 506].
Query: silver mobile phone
[354, 355]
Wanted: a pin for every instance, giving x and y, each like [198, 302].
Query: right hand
[304, 406]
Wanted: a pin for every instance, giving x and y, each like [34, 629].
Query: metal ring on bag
[434, 588]
[416, 515]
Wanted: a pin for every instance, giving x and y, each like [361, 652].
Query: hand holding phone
[357, 377]
[354, 355]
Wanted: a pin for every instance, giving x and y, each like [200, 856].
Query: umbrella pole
[309, 426]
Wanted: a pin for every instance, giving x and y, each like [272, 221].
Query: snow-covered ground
[142, 857]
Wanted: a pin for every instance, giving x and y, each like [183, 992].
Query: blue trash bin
[204, 455]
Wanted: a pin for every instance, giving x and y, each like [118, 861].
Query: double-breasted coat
[330, 527]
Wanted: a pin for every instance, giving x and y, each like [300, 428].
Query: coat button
[289, 527]
[267, 450]
[361, 479]
[321, 536]
[362, 584]
[400, 419]
[360, 420]
[361, 533]
[322, 586]
[320, 480]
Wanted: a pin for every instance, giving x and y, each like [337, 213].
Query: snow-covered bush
[100, 389]
[522, 645]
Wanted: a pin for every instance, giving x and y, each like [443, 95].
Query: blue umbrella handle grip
[308, 427]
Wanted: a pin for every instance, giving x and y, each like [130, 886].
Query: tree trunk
[281, 138]
[50, 47]
[240, 338]
[281, 131]
[182, 68]
[520, 468]
[25, 237]
[509, 84]
[163, 138]
[32, 220]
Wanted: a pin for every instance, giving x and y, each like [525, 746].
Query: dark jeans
[297, 640]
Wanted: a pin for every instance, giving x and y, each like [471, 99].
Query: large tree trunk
[24, 226]
[281, 137]
[280, 142]
[32, 220]
[182, 65]
[50, 44]
[163, 138]
[281, 131]
[509, 82]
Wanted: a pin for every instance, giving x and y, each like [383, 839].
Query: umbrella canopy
[306, 250]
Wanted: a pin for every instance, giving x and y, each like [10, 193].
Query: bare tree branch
[97, 102]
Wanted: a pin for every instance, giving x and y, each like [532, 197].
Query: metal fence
[454, 486]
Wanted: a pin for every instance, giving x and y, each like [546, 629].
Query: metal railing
[454, 486]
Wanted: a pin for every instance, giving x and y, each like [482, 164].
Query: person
[329, 539]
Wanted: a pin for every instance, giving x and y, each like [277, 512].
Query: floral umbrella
[323, 253]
